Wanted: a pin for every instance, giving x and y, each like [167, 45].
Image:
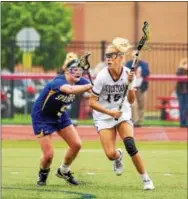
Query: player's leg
[46, 158]
[70, 135]
[108, 138]
[43, 130]
[126, 133]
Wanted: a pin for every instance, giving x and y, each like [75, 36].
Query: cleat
[67, 176]
[40, 183]
[148, 185]
[42, 177]
[118, 164]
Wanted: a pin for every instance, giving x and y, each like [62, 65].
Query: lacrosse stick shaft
[127, 85]
[139, 47]
[90, 78]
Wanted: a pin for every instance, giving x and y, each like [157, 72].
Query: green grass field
[166, 163]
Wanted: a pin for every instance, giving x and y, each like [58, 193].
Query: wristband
[132, 84]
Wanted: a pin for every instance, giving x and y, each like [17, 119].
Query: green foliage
[51, 19]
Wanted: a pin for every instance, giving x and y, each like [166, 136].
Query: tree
[51, 19]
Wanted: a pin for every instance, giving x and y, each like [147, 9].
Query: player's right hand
[115, 113]
[88, 86]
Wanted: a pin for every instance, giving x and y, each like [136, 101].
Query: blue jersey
[52, 102]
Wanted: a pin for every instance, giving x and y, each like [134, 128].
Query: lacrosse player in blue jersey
[49, 116]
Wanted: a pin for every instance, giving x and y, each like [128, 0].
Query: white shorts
[110, 123]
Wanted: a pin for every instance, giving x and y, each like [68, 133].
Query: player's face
[75, 73]
[113, 58]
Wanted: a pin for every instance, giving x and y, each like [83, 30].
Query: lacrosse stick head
[145, 37]
[84, 63]
[146, 31]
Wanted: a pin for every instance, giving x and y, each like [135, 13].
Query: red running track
[24, 132]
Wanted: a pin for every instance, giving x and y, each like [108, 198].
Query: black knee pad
[130, 146]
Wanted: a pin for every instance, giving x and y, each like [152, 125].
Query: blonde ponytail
[121, 44]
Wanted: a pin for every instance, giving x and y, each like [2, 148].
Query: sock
[44, 170]
[64, 168]
[119, 156]
[145, 177]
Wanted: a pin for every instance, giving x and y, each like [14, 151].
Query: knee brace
[130, 146]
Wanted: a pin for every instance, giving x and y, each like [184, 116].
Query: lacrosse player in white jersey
[105, 99]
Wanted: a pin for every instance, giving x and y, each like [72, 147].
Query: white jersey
[110, 93]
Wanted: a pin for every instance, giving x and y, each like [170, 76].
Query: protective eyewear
[75, 69]
[113, 55]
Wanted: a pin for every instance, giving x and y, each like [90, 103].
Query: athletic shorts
[45, 126]
[110, 123]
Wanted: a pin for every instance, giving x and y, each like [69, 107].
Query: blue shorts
[45, 126]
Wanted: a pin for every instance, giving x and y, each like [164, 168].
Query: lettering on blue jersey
[56, 102]
[65, 98]
[63, 108]
[52, 102]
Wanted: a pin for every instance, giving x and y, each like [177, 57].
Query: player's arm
[131, 96]
[96, 106]
[75, 89]
[93, 103]
[131, 87]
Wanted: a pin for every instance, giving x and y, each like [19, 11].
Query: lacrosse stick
[144, 39]
[85, 65]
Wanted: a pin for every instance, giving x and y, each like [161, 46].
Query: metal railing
[28, 86]
[163, 59]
